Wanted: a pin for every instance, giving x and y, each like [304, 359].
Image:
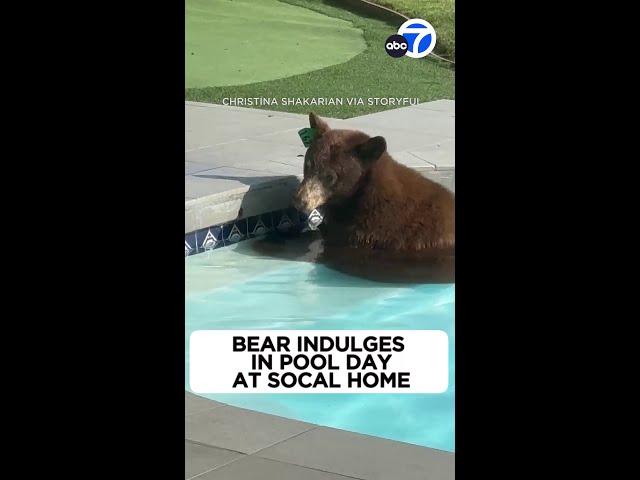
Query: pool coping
[245, 444]
[224, 207]
[229, 217]
[257, 199]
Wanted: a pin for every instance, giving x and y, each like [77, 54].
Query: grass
[439, 13]
[371, 74]
[220, 45]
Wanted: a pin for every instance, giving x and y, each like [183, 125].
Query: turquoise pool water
[231, 289]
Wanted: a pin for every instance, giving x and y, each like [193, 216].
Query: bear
[382, 221]
[369, 200]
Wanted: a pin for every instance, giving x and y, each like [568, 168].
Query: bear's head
[335, 165]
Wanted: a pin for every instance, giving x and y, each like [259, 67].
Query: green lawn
[234, 42]
[439, 13]
[370, 74]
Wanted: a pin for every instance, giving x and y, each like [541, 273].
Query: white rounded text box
[319, 361]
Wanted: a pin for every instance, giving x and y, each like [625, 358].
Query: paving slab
[258, 168]
[413, 161]
[203, 458]
[251, 149]
[254, 468]
[286, 137]
[194, 167]
[209, 125]
[398, 139]
[436, 124]
[362, 456]
[194, 403]
[240, 430]
[438, 105]
[441, 155]
[234, 108]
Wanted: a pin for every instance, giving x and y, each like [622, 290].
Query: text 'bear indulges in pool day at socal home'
[302, 362]
[413, 361]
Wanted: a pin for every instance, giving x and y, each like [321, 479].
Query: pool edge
[229, 217]
[288, 438]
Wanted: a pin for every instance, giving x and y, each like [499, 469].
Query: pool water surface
[232, 289]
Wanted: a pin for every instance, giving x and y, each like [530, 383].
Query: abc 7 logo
[416, 38]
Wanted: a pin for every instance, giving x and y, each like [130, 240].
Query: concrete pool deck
[244, 162]
[228, 443]
[241, 157]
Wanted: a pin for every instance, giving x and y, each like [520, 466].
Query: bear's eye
[329, 178]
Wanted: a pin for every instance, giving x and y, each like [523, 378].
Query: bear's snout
[310, 195]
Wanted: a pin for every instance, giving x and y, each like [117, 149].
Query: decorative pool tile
[259, 225]
[234, 232]
[209, 239]
[190, 244]
[295, 216]
[285, 221]
[218, 236]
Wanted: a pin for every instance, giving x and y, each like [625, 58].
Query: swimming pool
[232, 289]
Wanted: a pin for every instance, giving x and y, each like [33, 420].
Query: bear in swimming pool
[381, 219]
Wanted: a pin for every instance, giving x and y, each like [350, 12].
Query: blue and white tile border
[218, 236]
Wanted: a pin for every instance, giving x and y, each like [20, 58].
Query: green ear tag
[307, 135]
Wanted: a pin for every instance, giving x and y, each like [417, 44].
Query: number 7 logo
[420, 35]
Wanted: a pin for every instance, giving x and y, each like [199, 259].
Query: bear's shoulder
[400, 209]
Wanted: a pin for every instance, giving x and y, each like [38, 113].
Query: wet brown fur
[382, 221]
[375, 202]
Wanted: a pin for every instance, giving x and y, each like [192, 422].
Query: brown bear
[382, 221]
[370, 201]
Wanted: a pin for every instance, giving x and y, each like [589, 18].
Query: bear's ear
[370, 151]
[319, 124]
